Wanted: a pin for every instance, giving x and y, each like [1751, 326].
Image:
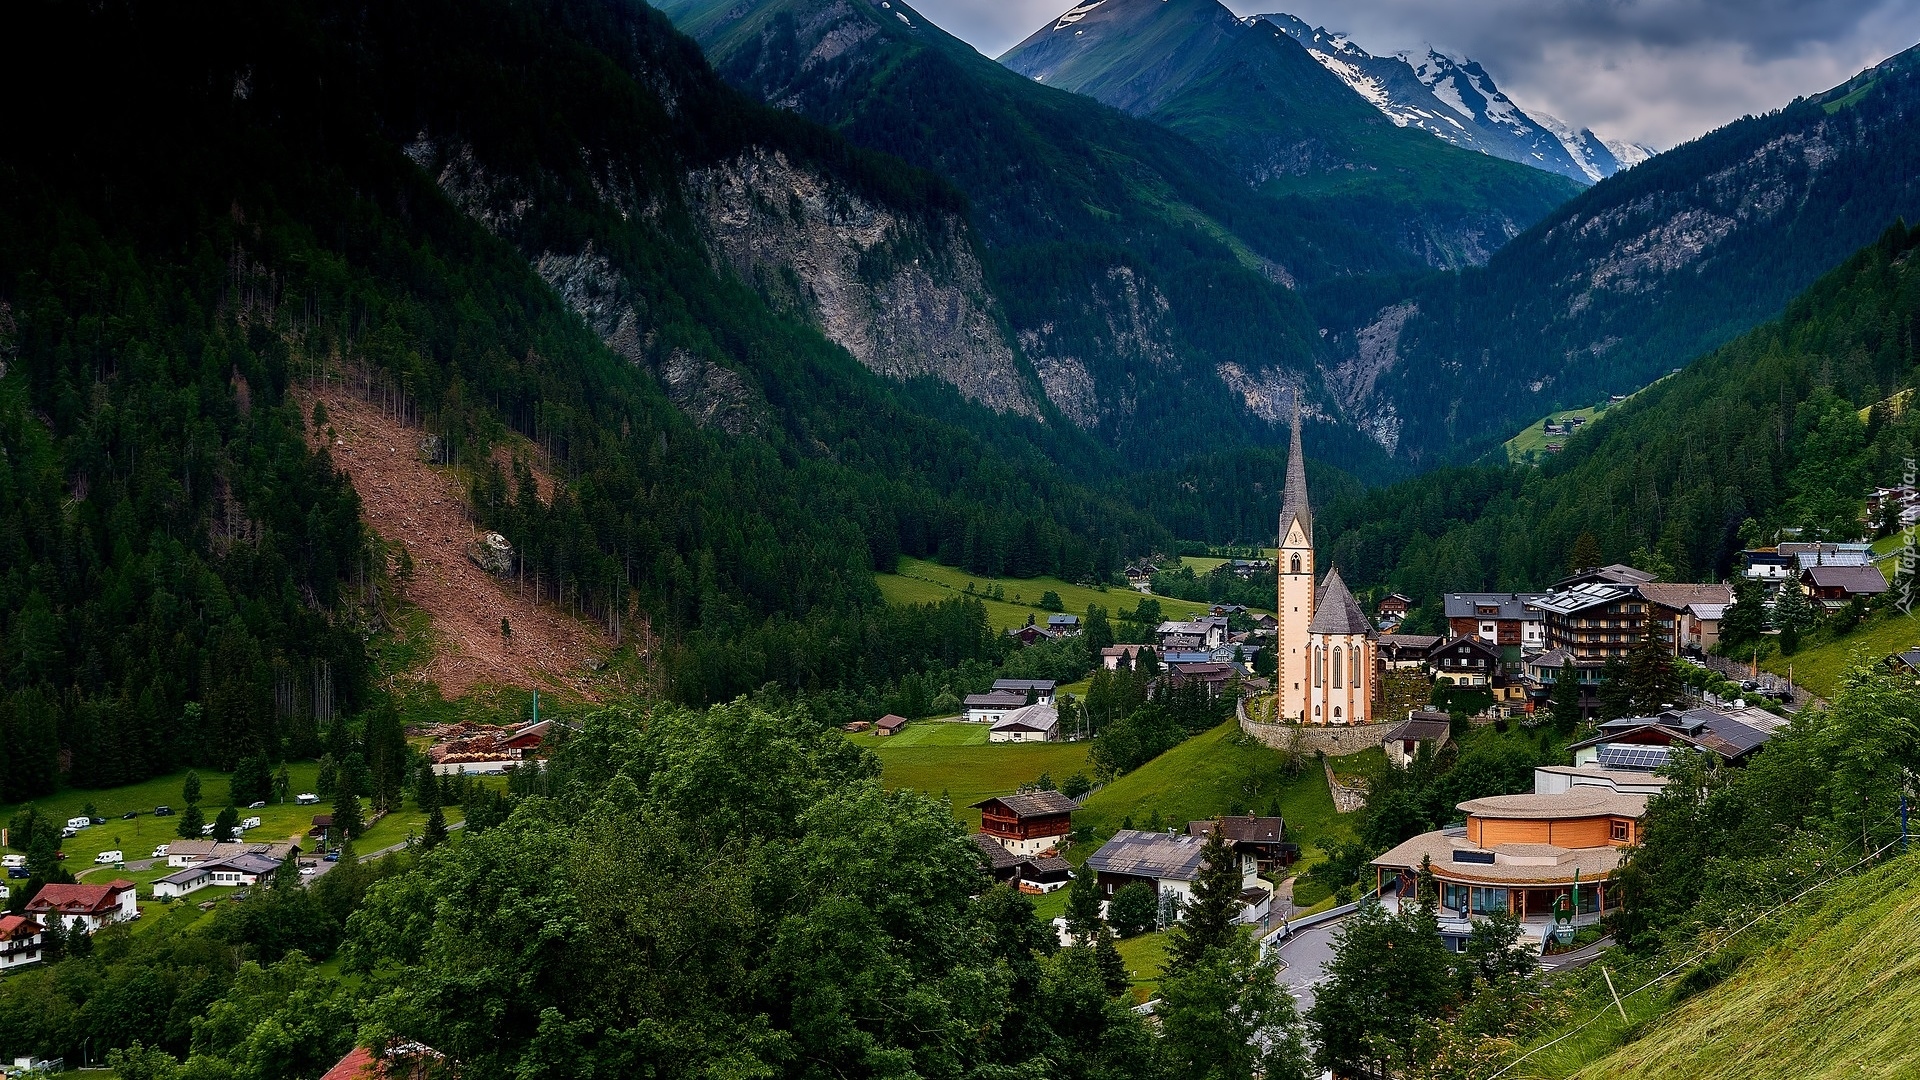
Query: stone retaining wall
[1333, 741]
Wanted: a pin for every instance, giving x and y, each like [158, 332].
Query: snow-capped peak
[1454, 98]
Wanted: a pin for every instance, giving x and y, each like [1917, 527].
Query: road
[1305, 955]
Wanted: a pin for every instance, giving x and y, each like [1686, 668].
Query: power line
[1701, 955]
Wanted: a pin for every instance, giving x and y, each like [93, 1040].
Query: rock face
[906, 302]
[1109, 338]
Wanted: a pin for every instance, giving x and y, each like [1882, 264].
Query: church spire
[1293, 505]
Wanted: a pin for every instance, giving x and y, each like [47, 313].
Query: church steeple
[1293, 504]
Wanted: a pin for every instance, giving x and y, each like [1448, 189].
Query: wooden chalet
[1029, 823]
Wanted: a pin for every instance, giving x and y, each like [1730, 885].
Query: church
[1327, 647]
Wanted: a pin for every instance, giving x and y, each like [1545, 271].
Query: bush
[1050, 601]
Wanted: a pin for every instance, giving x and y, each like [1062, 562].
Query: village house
[1031, 634]
[182, 853]
[1833, 587]
[1501, 619]
[995, 860]
[1540, 674]
[1767, 564]
[1041, 874]
[20, 941]
[1038, 691]
[1063, 625]
[1115, 657]
[1523, 854]
[1215, 677]
[181, 882]
[1904, 663]
[1687, 617]
[1595, 621]
[242, 870]
[1247, 569]
[1646, 743]
[989, 707]
[1402, 741]
[1205, 632]
[1171, 863]
[1028, 723]
[1467, 660]
[889, 724]
[92, 906]
[1262, 838]
[1809, 554]
[400, 1061]
[1407, 652]
[1140, 575]
[1611, 574]
[1394, 606]
[1029, 823]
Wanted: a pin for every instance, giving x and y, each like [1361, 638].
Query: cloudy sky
[1653, 71]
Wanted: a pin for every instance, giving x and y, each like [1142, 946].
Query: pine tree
[1791, 608]
[190, 788]
[1746, 620]
[1209, 923]
[1083, 907]
[227, 825]
[346, 814]
[1113, 966]
[191, 822]
[1565, 702]
[436, 830]
[1585, 554]
[79, 942]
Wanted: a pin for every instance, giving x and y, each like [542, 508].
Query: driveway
[1305, 955]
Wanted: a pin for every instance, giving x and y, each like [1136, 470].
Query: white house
[1028, 723]
[1041, 689]
[92, 906]
[1171, 863]
[20, 940]
[243, 870]
[181, 882]
[988, 708]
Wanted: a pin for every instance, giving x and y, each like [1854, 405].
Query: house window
[1336, 667]
[1619, 830]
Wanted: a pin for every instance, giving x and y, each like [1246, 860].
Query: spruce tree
[227, 825]
[1791, 609]
[436, 830]
[191, 822]
[190, 788]
[1565, 702]
[1083, 907]
[346, 814]
[1209, 923]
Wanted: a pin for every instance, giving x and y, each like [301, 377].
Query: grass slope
[955, 757]
[920, 581]
[1218, 772]
[1835, 999]
[1818, 667]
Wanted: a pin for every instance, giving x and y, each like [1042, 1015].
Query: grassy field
[1835, 999]
[921, 582]
[1818, 667]
[955, 757]
[1215, 773]
[1145, 955]
[138, 836]
[1531, 444]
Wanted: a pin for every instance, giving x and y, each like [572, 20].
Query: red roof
[405, 1060]
[357, 1064]
[79, 899]
[13, 926]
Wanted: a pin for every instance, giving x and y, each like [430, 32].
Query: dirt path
[404, 499]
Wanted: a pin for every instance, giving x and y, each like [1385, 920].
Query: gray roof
[1479, 643]
[1678, 596]
[1293, 503]
[1419, 729]
[246, 864]
[1582, 597]
[1409, 641]
[187, 876]
[1150, 855]
[1029, 718]
[1467, 605]
[1854, 579]
[1063, 620]
[994, 852]
[1021, 686]
[1033, 803]
[1729, 733]
[1335, 611]
[1045, 864]
[1243, 828]
[1614, 573]
[1000, 699]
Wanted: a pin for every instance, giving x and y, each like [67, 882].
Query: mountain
[1641, 273]
[1257, 98]
[1457, 101]
[532, 230]
[1787, 425]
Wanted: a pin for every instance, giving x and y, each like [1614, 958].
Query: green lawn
[955, 757]
[1531, 443]
[1215, 773]
[1146, 956]
[1818, 667]
[919, 581]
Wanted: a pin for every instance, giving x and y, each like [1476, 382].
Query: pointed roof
[1294, 504]
[1335, 611]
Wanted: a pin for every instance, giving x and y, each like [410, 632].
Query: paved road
[1306, 954]
[325, 866]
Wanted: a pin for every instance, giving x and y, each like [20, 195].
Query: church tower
[1292, 682]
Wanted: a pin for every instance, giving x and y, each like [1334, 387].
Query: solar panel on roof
[1633, 757]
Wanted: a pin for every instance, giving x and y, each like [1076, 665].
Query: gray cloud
[1653, 71]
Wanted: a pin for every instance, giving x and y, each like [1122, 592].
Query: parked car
[97, 820]
[108, 858]
[163, 811]
[16, 871]
[257, 804]
[333, 856]
[160, 852]
[308, 871]
[129, 815]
